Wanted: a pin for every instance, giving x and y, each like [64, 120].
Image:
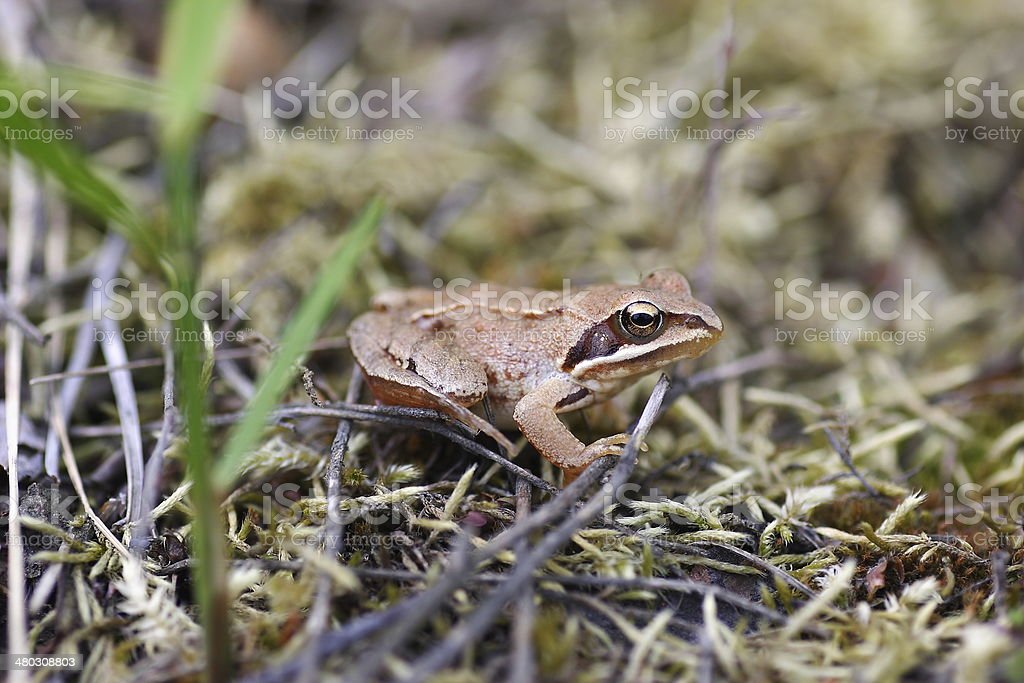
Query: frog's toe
[619, 440]
[610, 445]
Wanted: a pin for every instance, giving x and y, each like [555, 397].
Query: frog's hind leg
[411, 375]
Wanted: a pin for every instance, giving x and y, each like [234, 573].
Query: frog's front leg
[536, 415]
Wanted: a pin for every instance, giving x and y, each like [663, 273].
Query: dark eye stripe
[604, 338]
[600, 340]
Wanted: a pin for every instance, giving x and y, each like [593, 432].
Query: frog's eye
[641, 319]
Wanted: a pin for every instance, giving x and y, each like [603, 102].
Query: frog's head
[632, 331]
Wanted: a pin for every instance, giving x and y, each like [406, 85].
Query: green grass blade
[106, 91]
[334, 276]
[195, 40]
[195, 36]
[39, 142]
[88, 89]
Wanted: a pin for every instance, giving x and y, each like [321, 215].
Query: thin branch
[524, 667]
[55, 264]
[697, 550]
[395, 416]
[71, 465]
[107, 263]
[26, 200]
[10, 313]
[226, 354]
[420, 609]
[26, 216]
[127, 413]
[681, 385]
[765, 566]
[338, 640]
[841, 445]
[479, 621]
[408, 615]
[662, 584]
[333, 536]
[671, 585]
[454, 578]
[144, 532]
[47, 583]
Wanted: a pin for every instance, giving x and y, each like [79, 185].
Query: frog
[496, 358]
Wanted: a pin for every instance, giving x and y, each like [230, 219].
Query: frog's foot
[609, 445]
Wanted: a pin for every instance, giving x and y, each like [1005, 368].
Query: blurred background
[516, 162]
[523, 143]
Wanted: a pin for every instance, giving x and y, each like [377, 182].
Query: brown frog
[531, 356]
